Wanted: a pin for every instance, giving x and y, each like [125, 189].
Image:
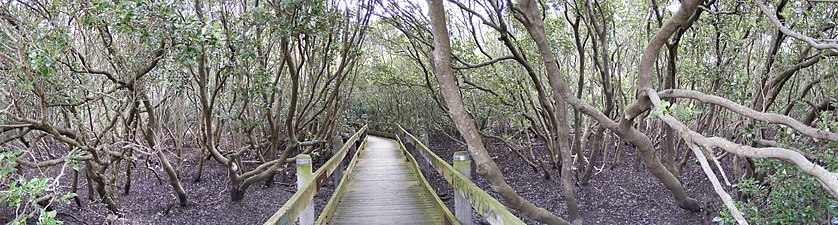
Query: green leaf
[664, 104]
[655, 114]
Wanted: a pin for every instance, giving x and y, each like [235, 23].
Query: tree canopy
[744, 90]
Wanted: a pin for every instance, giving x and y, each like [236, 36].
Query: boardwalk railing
[468, 195]
[493, 211]
[438, 204]
[293, 208]
[326, 216]
[329, 209]
[380, 129]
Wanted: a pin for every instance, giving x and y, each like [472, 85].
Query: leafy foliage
[674, 109]
[787, 195]
[23, 193]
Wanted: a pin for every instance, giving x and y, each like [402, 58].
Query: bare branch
[828, 179]
[705, 166]
[482, 64]
[818, 44]
[750, 113]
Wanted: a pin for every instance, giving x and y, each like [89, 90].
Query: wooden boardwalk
[384, 189]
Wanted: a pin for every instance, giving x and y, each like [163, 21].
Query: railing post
[425, 164]
[363, 136]
[462, 207]
[337, 143]
[357, 143]
[354, 146]
[303, 176]
[402, 133]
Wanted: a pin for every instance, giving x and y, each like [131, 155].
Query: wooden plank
[326, 216]
[448, 217]
[381, 134]
[383, 188]
[292, 208]
[493, 211]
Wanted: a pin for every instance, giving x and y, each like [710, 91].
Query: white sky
[674, 6]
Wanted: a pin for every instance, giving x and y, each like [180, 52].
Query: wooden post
[354, 145]
[303, 177]
[337, 143]
[462, 207]
[424, 165]
[363, 136]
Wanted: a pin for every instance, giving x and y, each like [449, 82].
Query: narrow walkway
[384, 189]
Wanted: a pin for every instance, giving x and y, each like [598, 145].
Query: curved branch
[482, 64]
[811, 41]
[728, 201]
[705, 166]
[478, 15]
[490, 91]
[48, 163]
[828, 179]
[750, 113]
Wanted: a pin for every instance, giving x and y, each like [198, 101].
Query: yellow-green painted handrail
[490, 208]
[329, 209]
[289, 211]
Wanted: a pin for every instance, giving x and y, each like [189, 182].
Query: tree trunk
[200, 169]
[668, 135]
[151, 138]
[127, 188]
[441, 61]
[625, 128]
[603, 62]
[643, 103]
[596, 150]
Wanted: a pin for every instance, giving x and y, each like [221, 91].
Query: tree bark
[151, 138]
[625, 127]
[441, 61]
[535, 27]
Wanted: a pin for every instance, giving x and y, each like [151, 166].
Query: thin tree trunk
[200, 169]
[595, 152]
[127, 188]
[441, 59]
[625, 127]
[75, 187]
[151, 138]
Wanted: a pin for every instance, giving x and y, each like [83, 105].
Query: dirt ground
[619, 196]
[152, 201]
